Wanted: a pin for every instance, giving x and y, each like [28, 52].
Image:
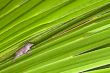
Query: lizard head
[29, 44]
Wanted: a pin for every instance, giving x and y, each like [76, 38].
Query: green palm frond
[69, 36]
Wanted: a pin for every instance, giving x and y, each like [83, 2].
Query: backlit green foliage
[69, 36]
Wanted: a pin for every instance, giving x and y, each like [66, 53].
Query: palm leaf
[69, 36]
